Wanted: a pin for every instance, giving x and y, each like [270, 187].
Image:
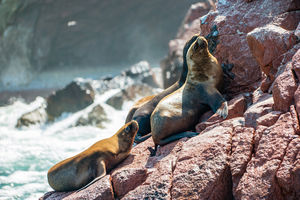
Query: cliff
[255, 152]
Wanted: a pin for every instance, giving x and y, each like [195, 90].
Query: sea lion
[180, 111]
[94, 163]
[136, 106]
[143, 113]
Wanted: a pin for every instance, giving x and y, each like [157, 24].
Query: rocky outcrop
[94, 118]
[73, 97]
[39, 116]
[254, 153]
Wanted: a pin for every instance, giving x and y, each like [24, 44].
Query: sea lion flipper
[223, 110]
[101, 174]
[139, 138]
[217, 103]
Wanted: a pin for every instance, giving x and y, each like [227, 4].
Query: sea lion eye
[127, 129]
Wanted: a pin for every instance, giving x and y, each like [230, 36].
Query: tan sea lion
[142, 114]
[92, 164]
[181, 110]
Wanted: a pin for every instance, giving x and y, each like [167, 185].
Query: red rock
[257, 136]
[262, 107]
[259, 181]
[242, 145]
[296, 62]
[268, 119]
[285, 176]
[265, 84]
[284, 88]
[207, 126]
[145, 176]
[269, 42]
[234, 19]
[295, 119]
[202, 170]
[102, 189]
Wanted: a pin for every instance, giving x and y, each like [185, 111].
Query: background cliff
[51, 35]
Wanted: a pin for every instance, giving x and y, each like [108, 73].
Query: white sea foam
[28, 153]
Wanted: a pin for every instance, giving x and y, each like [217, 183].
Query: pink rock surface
[202, 170]
[262, 44]
[102, 189]
[287, 178]
[297, 31]
[262, 107]
[268, 119]
[142, 176]
[259, 181]
[297, 101]
[242, 145]
[284, 88]
[234, 20]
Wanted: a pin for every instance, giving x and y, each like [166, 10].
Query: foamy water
[26, 154]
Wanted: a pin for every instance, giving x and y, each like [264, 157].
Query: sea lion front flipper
[101, 174]
[217, 103]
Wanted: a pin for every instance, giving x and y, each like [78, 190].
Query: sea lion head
[199, 60]
[126, 135]
[199, 47]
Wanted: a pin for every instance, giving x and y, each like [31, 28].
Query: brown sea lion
[92, 164]
[181, 110]
[143, 113]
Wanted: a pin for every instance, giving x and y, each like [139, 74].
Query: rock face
[74, 97]
[255, 152]
[37, 35]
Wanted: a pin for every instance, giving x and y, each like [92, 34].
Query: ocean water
[26, 154]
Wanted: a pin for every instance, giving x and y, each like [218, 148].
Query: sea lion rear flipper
[217, 103]
[101, 174]
[138, 138]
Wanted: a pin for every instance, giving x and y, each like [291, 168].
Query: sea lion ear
[127, 129]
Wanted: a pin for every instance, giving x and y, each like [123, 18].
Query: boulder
[38, 116]
[296, 63]
[139, 73]
[263, 47]
[283, 90]
[263, 106]
[297, 31]
[131, 93]
[74, 97]
[93, 118]
[268, 119]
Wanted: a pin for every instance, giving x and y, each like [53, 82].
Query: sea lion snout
[133, 127]
[202, 42]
